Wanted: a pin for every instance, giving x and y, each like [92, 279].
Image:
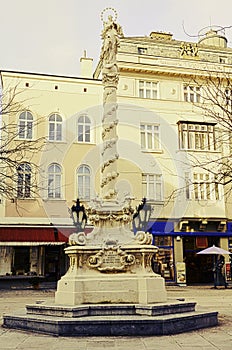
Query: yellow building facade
[161, 130]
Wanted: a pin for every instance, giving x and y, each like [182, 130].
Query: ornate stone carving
[77, 239]
[143, 237]
[108, 162]
[96, 216]
[109, 144]
[111, 258]
[108, 128]
[188, 49]
[109, 177]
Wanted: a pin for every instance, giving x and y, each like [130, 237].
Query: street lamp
[142, 216]
[79, 216]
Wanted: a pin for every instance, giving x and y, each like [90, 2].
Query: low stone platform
[111, 320]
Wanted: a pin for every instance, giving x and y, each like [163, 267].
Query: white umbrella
[214, 250]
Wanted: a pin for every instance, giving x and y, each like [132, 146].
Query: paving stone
[219, 337]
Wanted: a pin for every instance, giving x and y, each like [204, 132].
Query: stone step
[172, 307]
[111, 325]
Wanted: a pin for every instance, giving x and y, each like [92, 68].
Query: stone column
[110, 35]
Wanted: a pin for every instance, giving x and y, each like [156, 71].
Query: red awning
[34, 234]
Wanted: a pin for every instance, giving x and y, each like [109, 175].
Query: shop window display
[163, 261]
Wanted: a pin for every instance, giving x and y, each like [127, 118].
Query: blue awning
[203, 234]
[164, 227]
[160, 228]
[229, 226]
[193, 234]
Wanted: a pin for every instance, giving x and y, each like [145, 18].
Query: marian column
[110, 35]
[110, 264]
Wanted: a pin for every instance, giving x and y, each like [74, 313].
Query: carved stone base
[110, 274]
[110, 289]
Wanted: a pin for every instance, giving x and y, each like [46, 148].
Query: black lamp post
[142, 216]
[79, 216]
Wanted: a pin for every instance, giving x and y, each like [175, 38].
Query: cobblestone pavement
[209, 299]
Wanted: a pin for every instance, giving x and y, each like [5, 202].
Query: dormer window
[222, 60]
[142, 50]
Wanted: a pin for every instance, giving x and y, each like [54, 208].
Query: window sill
[84, 143]
[198, 150]
[205, 201]
[53, 199]
[152, 151]
[155, 201]
[25, 139]
[149, 98]
[55, 141]
[24, 199]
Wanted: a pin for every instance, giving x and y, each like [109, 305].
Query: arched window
[24, 180]
[83, 182]
[83, 128]
[55, 127]
[54, 181]
[25, 125]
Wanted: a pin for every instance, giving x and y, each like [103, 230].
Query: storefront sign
[180, 273]
[228, 271]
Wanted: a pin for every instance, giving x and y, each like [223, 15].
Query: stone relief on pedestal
[111, 258]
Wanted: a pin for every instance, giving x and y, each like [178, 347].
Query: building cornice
[44, 76]
[175, 67]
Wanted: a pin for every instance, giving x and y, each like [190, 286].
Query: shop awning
[30, 244]
[38, 235]
[203, 234]
[161, 227]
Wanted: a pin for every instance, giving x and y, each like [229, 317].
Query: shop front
[163, 238]
[178, 261]
[199, 268]
[32, 251]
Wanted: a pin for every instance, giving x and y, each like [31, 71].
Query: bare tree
[216, 106]
[213, 105]
[18, 168]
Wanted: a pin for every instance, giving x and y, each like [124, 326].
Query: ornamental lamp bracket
[78, 216]
[142, 216]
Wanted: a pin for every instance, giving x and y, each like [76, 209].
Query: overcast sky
[49, 36]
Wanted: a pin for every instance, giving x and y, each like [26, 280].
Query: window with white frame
[83, 182]
[150, 136]
[192, 93]
[24, 181]
[228, 98]
[187, 185]
[25, 125]
[152, 187]
[83, 128]
[54, 180]
[55, 127]
[197, 136]
[204, 186]
[148, 89]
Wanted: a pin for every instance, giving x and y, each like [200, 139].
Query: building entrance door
[21, 261]
[53, 262]
[199, 268]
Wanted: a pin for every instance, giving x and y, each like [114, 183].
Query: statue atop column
[110, 36]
